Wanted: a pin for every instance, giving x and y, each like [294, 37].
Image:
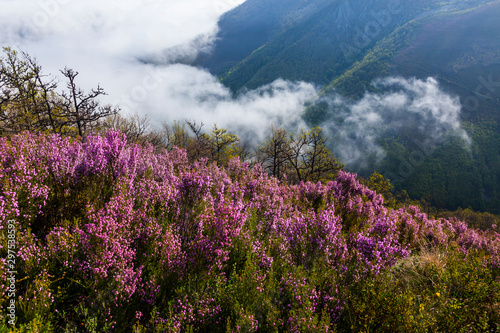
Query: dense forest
[108, 225]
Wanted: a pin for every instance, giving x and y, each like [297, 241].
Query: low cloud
[177, 92]
[411, 108]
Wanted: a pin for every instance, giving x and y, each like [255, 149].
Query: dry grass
[422, 268]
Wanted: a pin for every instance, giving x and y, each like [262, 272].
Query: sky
[107, 41]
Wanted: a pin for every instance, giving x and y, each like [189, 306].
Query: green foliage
[224, 145]
[410, 45]
[451, 175]
[431, 291]
[382, 186]
[476, 220]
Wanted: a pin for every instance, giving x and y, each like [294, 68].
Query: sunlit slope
[318, 41]
[461, 49]
[464, 53]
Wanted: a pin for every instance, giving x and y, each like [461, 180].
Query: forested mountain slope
[311, 40]
[343, 46]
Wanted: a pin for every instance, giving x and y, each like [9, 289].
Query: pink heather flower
[138, 315]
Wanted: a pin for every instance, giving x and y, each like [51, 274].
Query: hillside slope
[343, 46]
[105, 235]
[315, 41]
[253, 24]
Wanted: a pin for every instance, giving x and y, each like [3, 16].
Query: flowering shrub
[112, 236]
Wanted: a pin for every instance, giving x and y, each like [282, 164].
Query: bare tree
[83, 109]
[26, 94]
[29, 99]
[302, 157]
[200, 146]
[273, 154]
[43, 95]
[295, 154]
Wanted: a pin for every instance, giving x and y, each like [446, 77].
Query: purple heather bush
[119, 237]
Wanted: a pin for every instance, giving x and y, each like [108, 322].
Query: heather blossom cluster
[149, 236]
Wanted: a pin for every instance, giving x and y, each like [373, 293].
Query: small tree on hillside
[136, 128]
[27, 96]
[176, 135]
[319, 162]
[274, 154]
[222, 144]
[302, 157]
[199, 147]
